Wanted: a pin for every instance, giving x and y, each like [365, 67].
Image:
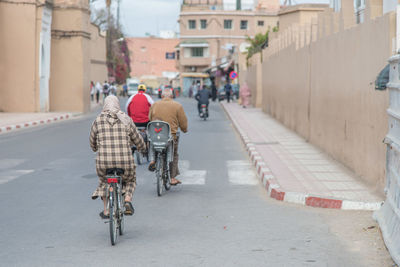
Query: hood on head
[111, 118]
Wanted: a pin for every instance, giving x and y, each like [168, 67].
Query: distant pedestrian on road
[172, 112]
[112, 135]
[245, 94]
[106, 89]
[92, 89]
[228, 91]
[191, 90]
[213, 92]
[98, 91]
[125, 90]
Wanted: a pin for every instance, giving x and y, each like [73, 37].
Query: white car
[132, 88]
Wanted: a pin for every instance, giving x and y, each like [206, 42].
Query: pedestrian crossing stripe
[241, 172]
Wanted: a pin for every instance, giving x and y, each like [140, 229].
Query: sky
[139, 17]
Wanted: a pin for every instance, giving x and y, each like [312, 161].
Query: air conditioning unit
[193, 69]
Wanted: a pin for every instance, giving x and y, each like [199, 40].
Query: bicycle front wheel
[113, 217]
[159, 174]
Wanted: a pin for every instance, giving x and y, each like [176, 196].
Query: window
[243, 24]
[260, 23]
[197, 52]
[192, 24]
[227, 24]
[203, 24]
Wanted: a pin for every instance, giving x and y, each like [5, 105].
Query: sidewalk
[293, 170]
[15, 121]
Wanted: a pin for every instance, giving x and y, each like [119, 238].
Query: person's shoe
[175, 182]
[152, 166]
[129, 210]
[104, 216]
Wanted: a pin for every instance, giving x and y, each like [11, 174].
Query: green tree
[257, 43]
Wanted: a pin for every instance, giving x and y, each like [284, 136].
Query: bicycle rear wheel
[167, 178]
[113, 217]
[159, 176]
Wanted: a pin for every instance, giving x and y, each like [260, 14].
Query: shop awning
[194, 75]
[194, 43]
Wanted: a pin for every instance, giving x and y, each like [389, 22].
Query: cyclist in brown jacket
[172, 112]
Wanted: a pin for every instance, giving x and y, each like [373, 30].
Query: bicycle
[161, 150]
[140, 156]
[116, 202]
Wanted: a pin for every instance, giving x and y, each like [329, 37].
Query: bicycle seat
[159, 133]
[115, 171]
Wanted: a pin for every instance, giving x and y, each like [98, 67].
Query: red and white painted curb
[12, 127]
[275, 191]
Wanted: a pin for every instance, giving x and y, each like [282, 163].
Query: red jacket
[138, 108]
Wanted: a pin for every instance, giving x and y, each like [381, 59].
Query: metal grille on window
[197, 52]
[243, 24]
[228, 24]
[192, 24]
[203, 23]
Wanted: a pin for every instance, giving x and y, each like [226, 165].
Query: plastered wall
[324, 89]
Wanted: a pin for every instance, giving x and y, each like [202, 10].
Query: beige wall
[98, 63]
[18, 57]
[301, 14]
[324, 90]
[70, 59]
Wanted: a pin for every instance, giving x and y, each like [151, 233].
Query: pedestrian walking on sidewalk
[112, 135]
[98, 91]
[228, 91]
[245, 95]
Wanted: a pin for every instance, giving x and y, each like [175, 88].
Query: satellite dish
[243, 47]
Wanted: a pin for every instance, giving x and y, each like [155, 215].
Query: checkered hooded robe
[111, 136]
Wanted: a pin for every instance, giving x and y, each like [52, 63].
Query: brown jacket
[169, 111]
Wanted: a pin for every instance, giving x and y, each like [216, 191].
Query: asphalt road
[219, 216]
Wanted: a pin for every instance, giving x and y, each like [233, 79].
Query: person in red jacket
[138, 107]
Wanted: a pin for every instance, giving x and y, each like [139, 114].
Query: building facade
[152, 57]
[46, 58]
[210, 34]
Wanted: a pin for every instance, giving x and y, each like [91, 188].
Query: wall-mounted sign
[170, 55]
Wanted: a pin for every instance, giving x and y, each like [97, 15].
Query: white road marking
[191, 177]
[10, 163]
[241, 172]
[8, 175]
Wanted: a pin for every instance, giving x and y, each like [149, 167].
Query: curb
[275, 191]
[9, 128]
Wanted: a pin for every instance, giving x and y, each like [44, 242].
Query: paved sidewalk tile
[295, 171]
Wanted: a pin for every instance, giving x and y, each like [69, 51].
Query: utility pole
[238, 4]
[118, 23]
[109, 37]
